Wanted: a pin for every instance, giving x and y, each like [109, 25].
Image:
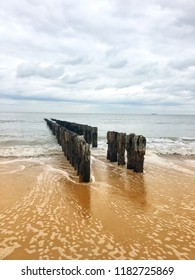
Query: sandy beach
[46, 214]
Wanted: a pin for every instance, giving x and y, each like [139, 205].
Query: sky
[97, 56]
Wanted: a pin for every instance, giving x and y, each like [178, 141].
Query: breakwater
[76, 139]
[74, 146]
[90, 133]
[135, 146]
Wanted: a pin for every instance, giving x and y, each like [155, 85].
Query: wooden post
[130, 147]
[84, 167]
[112, 146]
[89, 132]
[136, 147]
[94, 136]
[140, 149]
[121, 148]
[75, 148]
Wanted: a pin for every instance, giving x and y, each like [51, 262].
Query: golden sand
[46, 214]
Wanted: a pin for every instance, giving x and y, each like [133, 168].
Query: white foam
[165, 162]
[169, 146]
[190, 163]
[39, 160]
[29, 151]
[49, 169]
[4, 252]
[92, 178]
[21, 168]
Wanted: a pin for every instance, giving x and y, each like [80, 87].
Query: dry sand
[46, 214]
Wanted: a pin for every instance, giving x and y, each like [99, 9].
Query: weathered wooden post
[130, 148]
[94, 136]
[84, 158]
[58, 134]
[140, 149]
[87, 134]
[112, 146]
[53, 127]
[121, 148]
[136, 147]
[62, 138]
[75, 148]
[56, 129]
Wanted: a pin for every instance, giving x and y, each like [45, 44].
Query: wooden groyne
[75, 148]
[90, 133]
[76, 139]
[135, 146]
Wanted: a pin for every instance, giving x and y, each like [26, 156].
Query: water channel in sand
[46, 214]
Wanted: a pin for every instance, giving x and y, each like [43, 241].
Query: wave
[24, 142]
[36, 148]
[184, 146]
[188, 139]
[23, 151]
[12, 121]
[171, 146]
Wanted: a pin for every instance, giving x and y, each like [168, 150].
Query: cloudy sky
[110, 56]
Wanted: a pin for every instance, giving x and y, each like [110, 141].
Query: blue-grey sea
[26, 134]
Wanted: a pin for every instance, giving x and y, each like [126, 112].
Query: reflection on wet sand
[119, 215]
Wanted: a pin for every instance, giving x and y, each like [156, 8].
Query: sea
[26, 134]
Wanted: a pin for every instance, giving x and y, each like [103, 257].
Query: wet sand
[46, 214]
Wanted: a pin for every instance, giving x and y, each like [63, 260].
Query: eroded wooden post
[140, 149]
[121, 148]
[130, 148]
[84, 161]
[136, 148]
[94, 136]
[112, 146]
[74, 146]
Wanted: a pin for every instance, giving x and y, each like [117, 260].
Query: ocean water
[26, 134]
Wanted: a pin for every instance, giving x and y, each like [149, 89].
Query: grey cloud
[101, 86]
[123, 84]
[76, 78]
[112, 52]
[76, 60]
[147, 69]
[118, 64]
[119, 85]
[41, 97]
[182, 64]
[49, 72]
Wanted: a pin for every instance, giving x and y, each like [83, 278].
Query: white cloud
[130, 54]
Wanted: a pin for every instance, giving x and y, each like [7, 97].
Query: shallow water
[46, 214]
